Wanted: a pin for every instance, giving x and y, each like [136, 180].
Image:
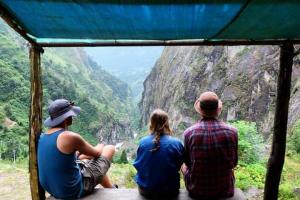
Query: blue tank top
[59, 174]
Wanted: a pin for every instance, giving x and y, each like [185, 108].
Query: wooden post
[35, 120]
[276, 160]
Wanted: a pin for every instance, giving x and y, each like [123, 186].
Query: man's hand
[183, 169]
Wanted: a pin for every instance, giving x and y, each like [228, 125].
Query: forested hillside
[67, 73]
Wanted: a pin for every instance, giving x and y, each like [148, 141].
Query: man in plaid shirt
[210, 152]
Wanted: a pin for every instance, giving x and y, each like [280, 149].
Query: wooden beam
[276, 160]
[6, 16]
[133, 194]
[194, 42]
[35, 120]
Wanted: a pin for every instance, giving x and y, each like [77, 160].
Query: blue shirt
[59, 174]
[159, 170]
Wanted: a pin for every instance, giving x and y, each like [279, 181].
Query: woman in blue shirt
[159, 158]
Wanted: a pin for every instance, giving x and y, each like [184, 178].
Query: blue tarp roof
[100, 20]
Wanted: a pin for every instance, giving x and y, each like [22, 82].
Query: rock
[244, 78]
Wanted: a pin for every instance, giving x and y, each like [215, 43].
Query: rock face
[114, 132]
[243, 77]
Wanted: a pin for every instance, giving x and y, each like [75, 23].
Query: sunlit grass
[14, 181]
[122, 175]
[14, 178]
[290, 179]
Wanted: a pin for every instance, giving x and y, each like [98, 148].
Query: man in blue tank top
[69, 167]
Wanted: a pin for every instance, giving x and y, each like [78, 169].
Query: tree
[123, 157]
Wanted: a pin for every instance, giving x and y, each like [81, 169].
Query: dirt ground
[14, 184]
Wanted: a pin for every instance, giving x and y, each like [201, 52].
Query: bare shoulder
[70, 136]
[68, 141]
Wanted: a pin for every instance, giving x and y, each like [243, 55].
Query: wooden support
[276, 160]
[35, 120]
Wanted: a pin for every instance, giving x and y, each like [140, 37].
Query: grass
[14, 179]
[122, 175]
[290, 179]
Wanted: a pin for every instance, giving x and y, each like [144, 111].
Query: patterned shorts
[93, 172]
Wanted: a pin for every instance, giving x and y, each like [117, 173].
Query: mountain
[129, 64]
[244, 77]
[69, 73]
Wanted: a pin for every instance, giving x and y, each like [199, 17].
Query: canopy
[87, 22]
[75, 21]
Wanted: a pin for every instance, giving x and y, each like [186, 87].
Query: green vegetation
[250, 143]
[123, 175]
[120, 157]
[15, 177]
[290, 179]
[67, 73]
[144, 132]
[182, 127]
[252, 175]
[251, 169]
[106, 106]
[294, 140]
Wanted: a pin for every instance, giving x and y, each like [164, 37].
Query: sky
[125, 57]
[130, 64]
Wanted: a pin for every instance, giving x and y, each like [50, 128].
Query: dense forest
[67, 73]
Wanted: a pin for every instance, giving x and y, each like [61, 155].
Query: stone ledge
[133, 194]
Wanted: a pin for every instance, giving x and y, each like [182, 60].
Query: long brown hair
[159, 124]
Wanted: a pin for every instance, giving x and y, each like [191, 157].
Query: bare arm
[85, 148]
[69, 142]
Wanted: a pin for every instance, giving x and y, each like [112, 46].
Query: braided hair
[159, 125]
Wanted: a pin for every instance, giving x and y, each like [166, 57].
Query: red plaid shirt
[210, 156]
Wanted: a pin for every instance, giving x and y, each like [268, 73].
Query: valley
[117, 98]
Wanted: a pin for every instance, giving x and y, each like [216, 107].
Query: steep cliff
[243, 77]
